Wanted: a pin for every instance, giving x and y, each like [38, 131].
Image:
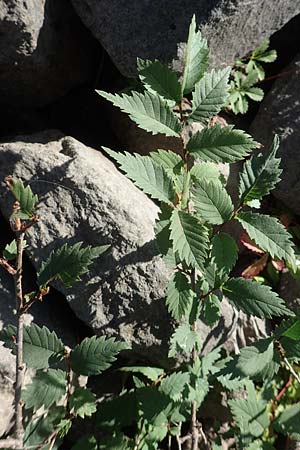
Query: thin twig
[19, 430]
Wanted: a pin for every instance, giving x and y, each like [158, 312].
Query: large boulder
[85, 198]
[280, 113]
[152, 29]
[44, 51]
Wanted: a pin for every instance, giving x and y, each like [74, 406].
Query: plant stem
[20, 367]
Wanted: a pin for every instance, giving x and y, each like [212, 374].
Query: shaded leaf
[255, 299]
[159, 79]
[260, 175]
[224, 252]
[183, 340]
[152, 373]
[10, 251]
[46, 388]
[83, 402]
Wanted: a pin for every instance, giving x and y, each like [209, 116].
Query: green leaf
[255, 93]
[159, 79]
[118, 412]
[40, 345]
[179, 296]
[268, 234]
[184, 340]
[196, 58]
[83, 402]
[208, 362]
[10, 251]
[162, 235]
[153, 405]
[250, 415]
[258, 361]
[38, 431]
[88, 442]
[190, 238]
[150, 112]
[288, 421]
[210, 94]
[149, 176]
[205, 170]
[293, 332]
[224, 252]
[255, 299]
[46, 388]
[152, 373]
[68, 263]
[212, 202]
[95, 354]
[211, 310]
[174, 384]
[24, 196]
[260, 175]
[169, 160]
[218, 144]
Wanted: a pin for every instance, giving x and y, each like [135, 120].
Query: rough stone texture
[152, 29]
[280, 113]
[44, 51]
[87, 199]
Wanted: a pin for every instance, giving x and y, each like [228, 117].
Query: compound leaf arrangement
[195, 206]
[159, 408]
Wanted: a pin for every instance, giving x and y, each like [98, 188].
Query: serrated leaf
[118, 412]
[210, 94]
[83, 402]
[68, 263]
[250, 415]
[95, 354]
[24, 196]
[179, 296]
[152, 373]
[288, 421]
[260, 175]
[149, 111]
[88, 442]
[293, 331]
[174, 384]
[196, 58]
[46, 389]
[37, 432]
[255, 93]
[211, 310]
[159, 79]
[212, 202]
[269, 234]
[208, 362]
[162, 235]
[205, 170]
[258, 361]
[10, 251]
[153, 405]
[183, 340]
[255, 299]
[190, 238]
[149, 176]
[224, 252]
[169, 160]
[219, 144]
[39, 344]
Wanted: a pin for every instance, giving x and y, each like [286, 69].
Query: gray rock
[85, 198]
[152, 29]
[44, 51]
[280, 113]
